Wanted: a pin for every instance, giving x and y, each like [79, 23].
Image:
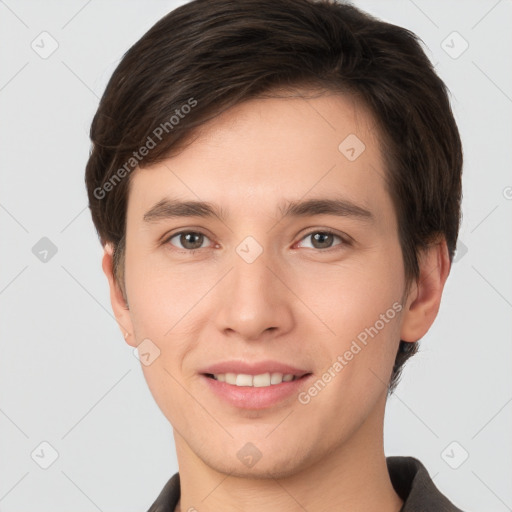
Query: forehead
[262, 151]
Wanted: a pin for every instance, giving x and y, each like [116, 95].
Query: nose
[254, 300]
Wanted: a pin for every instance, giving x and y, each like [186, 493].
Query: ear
[119, 305]
[422, 304]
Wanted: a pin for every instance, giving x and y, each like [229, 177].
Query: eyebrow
[174, 208]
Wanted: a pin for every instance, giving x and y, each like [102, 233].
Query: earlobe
[119, 305]
[422, 304]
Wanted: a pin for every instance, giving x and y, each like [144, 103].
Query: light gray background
[66, 375]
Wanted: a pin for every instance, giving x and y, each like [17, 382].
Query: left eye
[322, 239]
[189, 240]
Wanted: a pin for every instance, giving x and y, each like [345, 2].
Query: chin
[260, 471]
[266, 466]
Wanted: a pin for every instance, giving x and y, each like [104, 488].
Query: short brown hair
[209, 55]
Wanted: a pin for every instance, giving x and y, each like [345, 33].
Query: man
[277, 187]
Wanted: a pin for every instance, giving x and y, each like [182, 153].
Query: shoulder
[413, 484]
[168, 497]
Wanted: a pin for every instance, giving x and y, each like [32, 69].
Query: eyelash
[325, 231]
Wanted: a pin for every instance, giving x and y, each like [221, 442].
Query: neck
[352, 476]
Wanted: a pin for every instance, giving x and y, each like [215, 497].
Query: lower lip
[250, 397]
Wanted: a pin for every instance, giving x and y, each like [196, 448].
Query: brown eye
[322, 240]
[189, 240]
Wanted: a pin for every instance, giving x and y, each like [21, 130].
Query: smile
[257, 381]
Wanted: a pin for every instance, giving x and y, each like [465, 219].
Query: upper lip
[253, 368]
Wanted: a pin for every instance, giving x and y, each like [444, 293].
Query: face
[293, 267]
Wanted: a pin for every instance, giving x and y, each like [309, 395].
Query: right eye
[189, 240]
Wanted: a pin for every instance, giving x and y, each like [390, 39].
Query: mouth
[262, 384]
[262, 391]
[261, 380]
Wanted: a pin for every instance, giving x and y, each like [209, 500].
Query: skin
[300, 302]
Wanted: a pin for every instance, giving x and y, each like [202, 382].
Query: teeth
[257, 381]
[229, 377]
[243, 380]
[260, 381]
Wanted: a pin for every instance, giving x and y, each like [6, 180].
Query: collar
[408, 475]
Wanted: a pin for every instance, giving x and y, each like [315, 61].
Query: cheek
[165, 308]
[351, 294]
[162, 297]
[360, 303]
